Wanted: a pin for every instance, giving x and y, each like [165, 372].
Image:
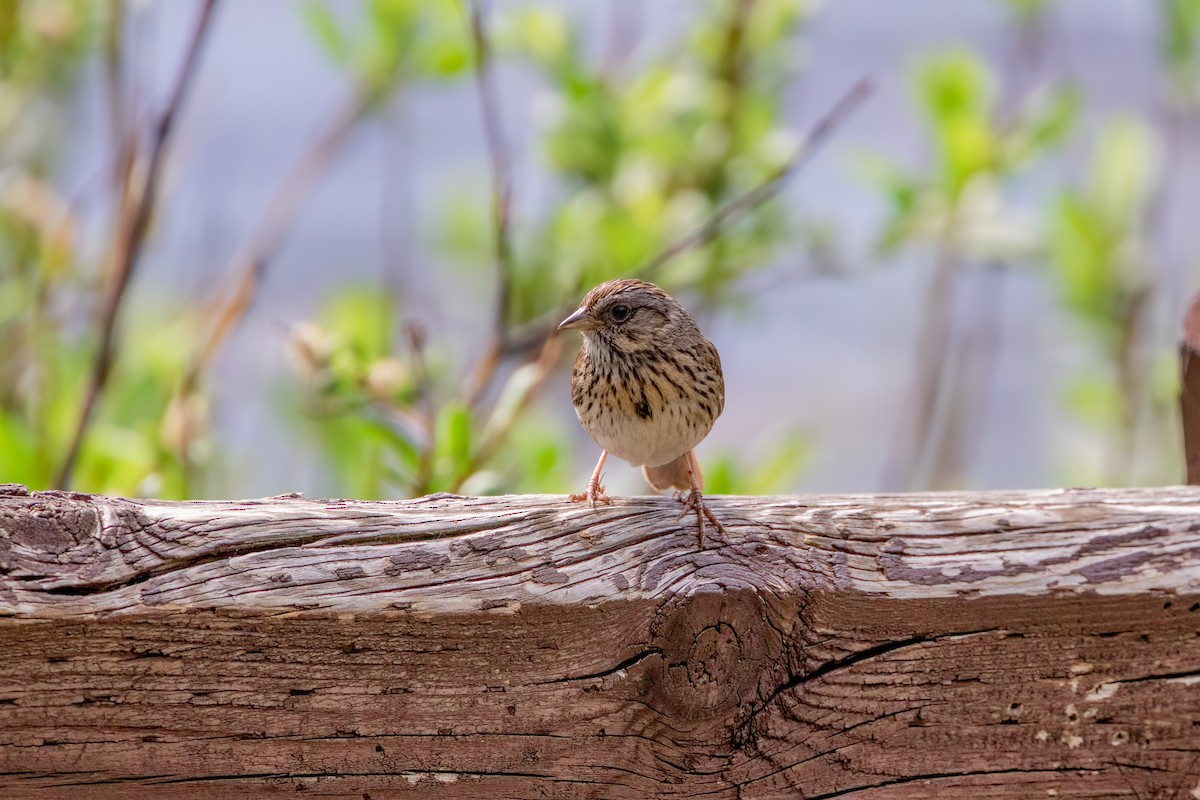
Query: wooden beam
[998, 645]
[1189, 388]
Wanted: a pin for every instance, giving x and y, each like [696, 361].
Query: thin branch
[395, 198]
[249, 263]
[972, 379]
[502, 189]
[925, 401]
[114, 43]
[624, 31]
[501, 165]
[135, 211]
[731, 70]
[755, 197]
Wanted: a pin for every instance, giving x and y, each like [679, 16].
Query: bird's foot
[595, 494]
[694, 501]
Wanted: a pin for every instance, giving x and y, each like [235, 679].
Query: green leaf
[901, 193]
[327, 30]
[1080, 247]
[18, 453]
[361, 321]
[1180, 29]
[1096, 400]
[1096, 233]
[957, 91]
[954, 85]
[1052, 126]
[354, 447]
[1125, 170]
[540, 33]
[453, 453]
[1042, 126]
[719, 475]
[777, 471]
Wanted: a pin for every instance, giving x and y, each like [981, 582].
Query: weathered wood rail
[995, 645]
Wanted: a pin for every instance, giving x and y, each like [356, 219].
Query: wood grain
[994, 645]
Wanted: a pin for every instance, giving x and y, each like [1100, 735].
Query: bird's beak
[577, 320]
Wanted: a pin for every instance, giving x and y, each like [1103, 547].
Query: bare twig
[250, 262]
[505, 415]
[396, 198]
[1133, 378]
[501, 166]
[731, 70]
[122, 144]
[133, 220]
[624, 30]
[499, 156]
[919, 413]
[755, 197]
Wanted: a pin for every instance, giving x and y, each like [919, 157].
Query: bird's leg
[595, 492]
[694, 500]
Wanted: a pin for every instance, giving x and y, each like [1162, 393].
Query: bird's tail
[673, 475]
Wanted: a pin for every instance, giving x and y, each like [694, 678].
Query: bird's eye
[621, 313]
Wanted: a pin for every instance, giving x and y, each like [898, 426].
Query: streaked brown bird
[647, 387]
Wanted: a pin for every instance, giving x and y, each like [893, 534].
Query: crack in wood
[624, 665]
[1164, 676]
[882, 649]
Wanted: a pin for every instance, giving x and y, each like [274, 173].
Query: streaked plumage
[647, 384]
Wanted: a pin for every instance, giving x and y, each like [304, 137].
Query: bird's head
[627, 315]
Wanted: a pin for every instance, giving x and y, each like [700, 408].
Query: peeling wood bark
[995, 645]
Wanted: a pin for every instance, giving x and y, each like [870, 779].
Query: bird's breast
[651, 441]
[647, 414]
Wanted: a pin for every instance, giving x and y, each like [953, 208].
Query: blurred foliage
[774, 470]
[1181, 49]
[1027, 10]
[1097, 234]
[971, 206]
[394, 41]
[640, 155]
[144, 440]
[354, 388]
[42, 44]
[1100, 249]
[640, 147]
[960, 200]
[960, 207]
[644, 153]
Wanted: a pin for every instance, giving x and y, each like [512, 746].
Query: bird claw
[595, 494]
[694, 501]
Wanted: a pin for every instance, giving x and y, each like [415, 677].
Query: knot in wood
[716, 649]
[50, 526]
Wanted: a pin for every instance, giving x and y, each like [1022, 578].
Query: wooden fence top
[998, 644]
